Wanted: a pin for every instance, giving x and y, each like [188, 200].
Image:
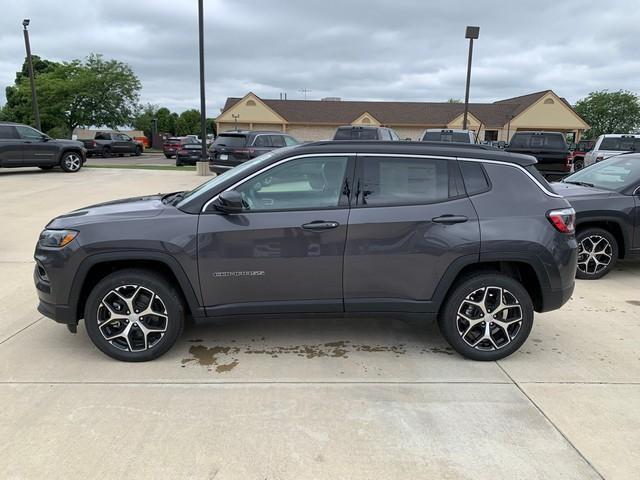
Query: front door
[284, 252]
[410, 221]
[37, 149]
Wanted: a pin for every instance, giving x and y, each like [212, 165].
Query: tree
[144, 119]
[609, 112]
[167, 121]
[189, 122]
[79, 93]
[454, 100]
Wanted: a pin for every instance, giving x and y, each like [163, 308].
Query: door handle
[320, 225]
[450, 219]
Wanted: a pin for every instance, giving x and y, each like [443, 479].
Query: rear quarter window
[230, 140]
[475, 178]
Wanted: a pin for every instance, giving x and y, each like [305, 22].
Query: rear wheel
[106, 152]
[71, 162]
[134, 315]
[138, 151]
[487, 317]
[178, 162]
[597, 253]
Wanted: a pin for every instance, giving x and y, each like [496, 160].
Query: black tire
[46, 167]
[178, 162]
[71, 162]
[106, 152]
[589, 267]
[578, 165]
[150, 282]
[138, 151]
[501, 342]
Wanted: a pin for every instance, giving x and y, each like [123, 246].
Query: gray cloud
[357, 49]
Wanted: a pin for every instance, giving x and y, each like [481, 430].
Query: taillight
[564, 220]
[568, 162]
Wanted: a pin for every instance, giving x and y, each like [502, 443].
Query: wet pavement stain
[224, 358]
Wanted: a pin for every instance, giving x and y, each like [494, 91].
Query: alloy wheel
[594, 254]
[489, 318]
[132, 318]
[72, 162]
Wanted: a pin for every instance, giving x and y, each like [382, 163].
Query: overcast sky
[366, 50]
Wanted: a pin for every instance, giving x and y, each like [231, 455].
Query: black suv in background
[330, 228]
[232, 148]
[359, 132]
[606, 197]
[24, 146]
[549, 148]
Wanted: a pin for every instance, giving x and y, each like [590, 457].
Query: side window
[277, 141]
[394, 135]
[403, 181]
[8, 132]
[28, 133]
[475, 179]
[124, 138]
[304, 183]
[262, 141]
[289, 141]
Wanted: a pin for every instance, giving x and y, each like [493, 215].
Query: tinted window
[8, 131]
[404, 181]
[28, 132]
[103, 136]
[475, 179]
[620, 143]
[230, 140]
[356, 134]
[305, 183]
[531, 140]
[262, 141]
[277, 141]
[290, 141]
[446, 137]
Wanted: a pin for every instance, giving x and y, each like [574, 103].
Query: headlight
[56, 238]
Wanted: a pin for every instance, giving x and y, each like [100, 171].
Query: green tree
[166, 121]
[93, 92]
[144, 119]
[454, 100]
[609, 112]
[189, 122]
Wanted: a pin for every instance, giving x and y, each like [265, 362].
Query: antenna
[304, 91]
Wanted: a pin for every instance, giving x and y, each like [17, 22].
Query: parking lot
[326, 398]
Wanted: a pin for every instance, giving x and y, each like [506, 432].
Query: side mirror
[46, 138]
[229, 202]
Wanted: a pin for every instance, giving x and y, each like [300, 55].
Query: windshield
[235, 173]
[616, 173]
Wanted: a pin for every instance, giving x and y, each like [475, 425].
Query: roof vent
[331, 99]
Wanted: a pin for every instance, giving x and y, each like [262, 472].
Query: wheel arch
[611, 225]
[98, 266]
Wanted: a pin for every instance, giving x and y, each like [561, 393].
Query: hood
[128, 208]
[571, 191]
[66, 141]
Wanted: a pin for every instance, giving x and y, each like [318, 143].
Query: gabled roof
[495, 114]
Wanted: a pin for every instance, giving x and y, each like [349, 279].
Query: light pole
[202, 165]
[472, 33]
[235, 116]
[34, 100]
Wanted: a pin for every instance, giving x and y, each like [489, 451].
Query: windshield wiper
[582, 184]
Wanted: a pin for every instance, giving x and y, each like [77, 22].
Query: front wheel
[71, 162]
[597, 253]
[134, 315]
[178, 162]
[487, 317]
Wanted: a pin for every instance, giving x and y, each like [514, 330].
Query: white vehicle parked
[612, 144]
[448, 135]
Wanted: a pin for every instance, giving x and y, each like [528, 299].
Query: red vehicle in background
[578, 152]
[171, 145]
[144, 141]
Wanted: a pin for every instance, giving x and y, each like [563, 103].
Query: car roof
[620, 135]
[453, 149]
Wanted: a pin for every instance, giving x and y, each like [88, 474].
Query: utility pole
[304, 91]
[32, 80]
[235, 116]
[471, 33]
[203, 165]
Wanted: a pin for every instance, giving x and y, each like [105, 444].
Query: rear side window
[475, 178]
[277, 141]
[8, 132]
[290, 141]
[403, 181]
[230, 140]
[103, 136]
[262, 141]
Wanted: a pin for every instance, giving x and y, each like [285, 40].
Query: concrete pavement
[330, 398]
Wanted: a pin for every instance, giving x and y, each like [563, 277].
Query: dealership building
[318, 119]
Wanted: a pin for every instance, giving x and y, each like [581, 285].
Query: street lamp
[235, 116]
[203, 164]
[34, 100]
[472, 33]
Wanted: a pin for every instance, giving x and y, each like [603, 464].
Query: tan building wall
[309, 133]
[414, 133]
[227, 127]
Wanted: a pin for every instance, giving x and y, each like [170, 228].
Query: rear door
[410, 222]
[11, 146]
[37, 149]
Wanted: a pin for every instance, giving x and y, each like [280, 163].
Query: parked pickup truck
[107, 144]
[549, 148]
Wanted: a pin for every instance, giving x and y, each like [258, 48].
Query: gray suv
[467, 235]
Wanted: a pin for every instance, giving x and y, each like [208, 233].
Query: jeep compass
[465, 234]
